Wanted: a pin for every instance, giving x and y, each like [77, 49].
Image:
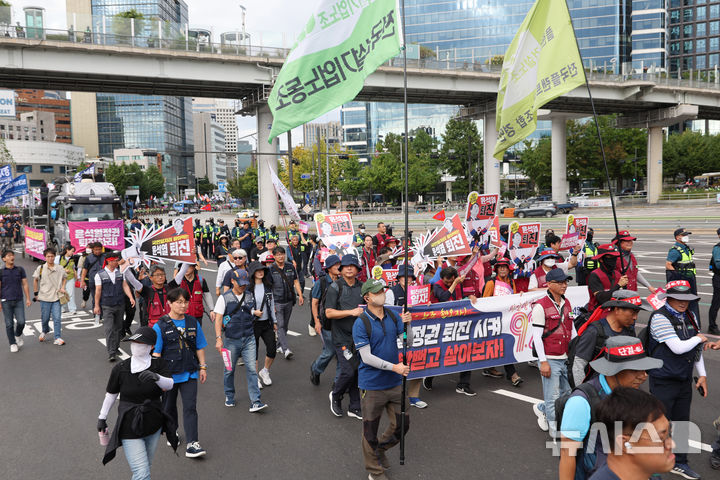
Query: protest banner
[35, 242]
[17, 187]
[575, 232]
[5, 174]
[285, 196]
[175, 242]
[494, 232]
[654, 300]
[418, 295]
[449, 240]
[523, 240]
[336, 231]
[111, 233]
[453, 337]
[303, 227]
[388, 277]
[480, 210]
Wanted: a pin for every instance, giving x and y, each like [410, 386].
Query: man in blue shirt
[624, 364]
[181, 343]
[375, 334]
[12, 278]
[715, 305]
[680, 265]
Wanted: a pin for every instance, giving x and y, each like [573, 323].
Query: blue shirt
[383, 345]
[11, 283]
[200, 343]
[576, 416]
[317, 288]
[715, 260]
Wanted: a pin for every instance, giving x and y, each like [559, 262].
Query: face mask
[378, 300]
[685, 239]
[362, 230]
[550, 262]
[140, 359]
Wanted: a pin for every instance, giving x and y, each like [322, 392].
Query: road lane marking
[123, 355]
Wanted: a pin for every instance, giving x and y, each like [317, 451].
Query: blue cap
[349, 259]
[331, 260]
[240, 276]
[402, 269]
[557, 275]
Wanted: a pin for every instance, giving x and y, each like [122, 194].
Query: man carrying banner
[110, 290]
[553, 329]
[375, 334]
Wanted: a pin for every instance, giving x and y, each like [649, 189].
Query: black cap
[682, 231]
[144, 335]
[718, 231]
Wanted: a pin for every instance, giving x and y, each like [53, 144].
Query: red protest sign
[389, 276]
[449, 240]
[418, 295]
[35, 242]
[523, 240]
[578, 225]
[175, 242]
[336, 231]
[440, 216]
[480, 210]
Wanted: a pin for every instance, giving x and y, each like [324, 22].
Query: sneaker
[288, 354]
[229, 402]
[19, 340]
[59, 341]
[178, 437]
[684, 470]
[466, 390]
[314, 377]
[541, 419]
[257, 406]
[381, 476]
[355, 413]
[492, 372]
[194, 450]
[279, 350]
[335, 406]
[260, 385]
[41, 337]
[82, 304]
[427, 383]
[265, 376]
[14, 348]
[311, 331]
[240, 362]
[416, 402]
[516, 380]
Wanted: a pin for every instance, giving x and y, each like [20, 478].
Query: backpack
[324, 320]
[592, 397]
[572, 351]
[355, 358]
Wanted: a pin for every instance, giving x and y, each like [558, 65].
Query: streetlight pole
[327, 180]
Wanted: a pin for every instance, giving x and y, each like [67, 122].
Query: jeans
[346, 381]
[70, 306]
[327, 354]
[46, 310]
[139, 453]
[282, 314]
[13, 308]
[246, 348]
[553, 387]
[188, 392]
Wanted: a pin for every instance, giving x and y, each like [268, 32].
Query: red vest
[368, 263]
[540, 275]
[557, 342]
[195, 309]
[158, 306]
[380, 237]
[606, 283]
[456, 295]
[631, 272]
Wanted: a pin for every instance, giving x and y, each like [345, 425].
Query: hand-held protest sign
[110, 233]
[480, 210]
[575, 232]
[449, 240]
[418, 295]
[175, 242]
[388, 276]
[523, 240]
[336, 231]
[35, 242]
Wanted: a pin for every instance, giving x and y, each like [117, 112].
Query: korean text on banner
[523, 241]
[5, 174]
[449, 240]
[16, 187]
[336, 231]
[387, 276]
[35, 242]
[285, 196]
[341, 44]
[418, 295]
[110, 233]
[457, 336]
[541, 64]
[480, 210]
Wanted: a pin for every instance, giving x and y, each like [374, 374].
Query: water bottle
[104, 437]
[346, 353]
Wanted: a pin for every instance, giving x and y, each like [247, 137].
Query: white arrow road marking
[123, 355]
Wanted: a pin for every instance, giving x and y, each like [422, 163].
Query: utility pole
[469, 165]
[290, 162]
[327, 180]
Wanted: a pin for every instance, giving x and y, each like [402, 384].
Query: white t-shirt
[111, 274]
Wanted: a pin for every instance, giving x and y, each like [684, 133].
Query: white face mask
[685, 239]
[549, 262]
[140, 359]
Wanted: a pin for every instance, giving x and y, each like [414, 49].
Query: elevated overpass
[650, 101]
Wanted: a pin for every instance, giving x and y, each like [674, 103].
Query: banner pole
[407, 235]
[597, 129]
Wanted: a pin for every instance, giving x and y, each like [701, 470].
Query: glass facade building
[160, 123]
[694, 29]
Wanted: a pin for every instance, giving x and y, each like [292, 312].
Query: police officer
[675, 338]
[589, 250]
[208, 238]
[715, 305]
[679, 265]
[272, 235]
[198, 232]
[260, 231]
[359, 237]
[237, 230]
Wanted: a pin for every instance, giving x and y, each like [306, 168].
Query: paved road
[51, 396]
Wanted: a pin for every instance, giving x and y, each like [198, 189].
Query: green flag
[542, 63]
[341, 45]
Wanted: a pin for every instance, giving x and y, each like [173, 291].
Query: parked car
[566, 207]
[247, 213]
[536, 209]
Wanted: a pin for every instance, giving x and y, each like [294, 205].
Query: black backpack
[592, 396]
[572, 351]
[324, 320]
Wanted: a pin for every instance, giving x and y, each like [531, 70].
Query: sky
[272, 23]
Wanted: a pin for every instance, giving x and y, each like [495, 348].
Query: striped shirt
[660, 327]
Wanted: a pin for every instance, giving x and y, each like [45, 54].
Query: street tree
[460, 137]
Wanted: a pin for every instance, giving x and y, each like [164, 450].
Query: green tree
[352, 183]
[690, 153]
[461, 135]
[153, 184]
[5, 155]
[205, 187]
[384, 175]
[495, 60]
[535, 162]
[121, 25]
[244, 186]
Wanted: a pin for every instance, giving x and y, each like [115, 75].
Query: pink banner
[419, 295]
[35, 242]
[111, 233]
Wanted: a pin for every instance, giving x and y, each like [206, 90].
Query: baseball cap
[372, 286]
[144, 335]
[240, 276]
[681, 231]
[624, 353]
[557, 275]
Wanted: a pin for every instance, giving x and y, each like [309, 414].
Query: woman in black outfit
[221, 252]
[140, 380]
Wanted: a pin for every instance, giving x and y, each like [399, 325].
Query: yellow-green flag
[541, 64]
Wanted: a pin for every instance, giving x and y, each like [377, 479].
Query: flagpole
[597, 129]
[407, 235]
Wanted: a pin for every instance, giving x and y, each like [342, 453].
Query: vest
[556, 338]
[456, 295]
[196, 308]
[240, 321]
[112, 293]
[259, 233]
[197, 231]
[540, 274]
[606, 283]
[399, 293]
[590, 251]
[359, 238]
[158, 305]
[685, 266]
[179, 353]
[271, 236]
[207, 232]
[675, 367]
[380, 240]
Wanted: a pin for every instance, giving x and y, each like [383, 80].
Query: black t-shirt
[132, 390]
[586, 343]
[349, 299]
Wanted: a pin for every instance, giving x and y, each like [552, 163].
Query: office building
[224, 111]
[32, 127]
[143, 157]
[649, 35]
[330, 132]
[694, 35]
[44, 161]
[210, 156]
[28, 100]
[244, 156]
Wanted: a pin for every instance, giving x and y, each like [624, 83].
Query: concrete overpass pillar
[654, 164]
[491, 168]
[559, 159]
[267, 198]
